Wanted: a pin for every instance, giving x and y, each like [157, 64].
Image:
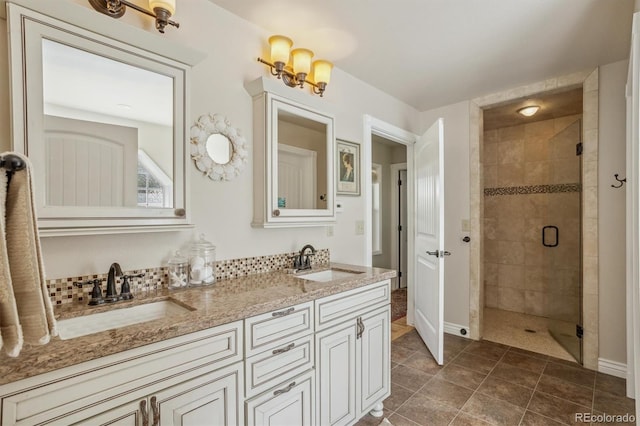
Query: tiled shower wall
[532, 179]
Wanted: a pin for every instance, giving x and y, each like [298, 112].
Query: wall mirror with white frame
[101, 120]
[293, 163]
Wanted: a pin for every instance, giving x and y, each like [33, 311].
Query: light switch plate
[359, 227]
[465, 225]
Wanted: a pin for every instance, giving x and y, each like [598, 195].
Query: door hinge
[579, 148]
[399, 182]
[399, 227]
[579, 331]
[399, 274]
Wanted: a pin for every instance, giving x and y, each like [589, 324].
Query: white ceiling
[431, 53]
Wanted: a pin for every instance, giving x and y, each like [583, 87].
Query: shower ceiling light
[528, 111]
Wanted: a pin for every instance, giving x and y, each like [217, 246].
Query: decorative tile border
[533, 189]
[63, 290]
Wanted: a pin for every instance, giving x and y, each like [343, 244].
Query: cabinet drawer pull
[285, 390]
[285, 349]
[144, 413]
[155, 407]
[360, 325]
[283, 313]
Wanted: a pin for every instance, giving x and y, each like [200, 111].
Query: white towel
[35, 312]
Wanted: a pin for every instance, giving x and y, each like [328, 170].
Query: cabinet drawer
[270, 330]
[292, 403]
[276, 365]
[349, 304]
[53, 395]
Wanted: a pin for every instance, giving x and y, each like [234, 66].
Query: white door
[429, 239]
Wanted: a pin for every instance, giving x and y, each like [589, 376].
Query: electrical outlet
[359, 227]
[329, 231]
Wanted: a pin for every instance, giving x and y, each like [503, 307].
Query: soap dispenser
[202, 259]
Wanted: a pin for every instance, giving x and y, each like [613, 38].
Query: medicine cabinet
[293, 162]
[101, 118]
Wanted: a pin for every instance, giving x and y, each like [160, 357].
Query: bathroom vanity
[269, 348]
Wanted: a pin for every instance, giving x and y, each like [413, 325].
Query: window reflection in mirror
[108, 131]
[302, 162]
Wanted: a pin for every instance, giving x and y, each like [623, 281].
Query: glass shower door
[561, 238]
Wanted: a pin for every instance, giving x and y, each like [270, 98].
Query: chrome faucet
[302, 262]
[112, 294]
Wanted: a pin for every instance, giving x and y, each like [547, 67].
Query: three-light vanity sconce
[295, 73]
[161, 10]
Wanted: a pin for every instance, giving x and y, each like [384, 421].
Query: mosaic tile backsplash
[67, 290]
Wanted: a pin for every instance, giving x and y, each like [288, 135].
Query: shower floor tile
[508, 328]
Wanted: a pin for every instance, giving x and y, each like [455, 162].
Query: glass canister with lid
[202, 259]
[178, 268]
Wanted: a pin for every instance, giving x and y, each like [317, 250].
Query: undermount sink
[117, 318]
[328, 275]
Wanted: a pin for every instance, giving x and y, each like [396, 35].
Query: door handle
[439, 253]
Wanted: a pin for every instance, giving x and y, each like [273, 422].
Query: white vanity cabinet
[279, 368]
[353, 351]
[181, 381]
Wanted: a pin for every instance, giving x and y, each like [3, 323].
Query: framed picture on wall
[347, 168]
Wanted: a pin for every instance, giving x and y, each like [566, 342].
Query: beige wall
[520, 274]
[222, 210]
[611, 212]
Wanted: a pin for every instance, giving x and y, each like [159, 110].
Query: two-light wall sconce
[162, 10]
[295, 73]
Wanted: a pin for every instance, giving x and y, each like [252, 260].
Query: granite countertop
[224, 302]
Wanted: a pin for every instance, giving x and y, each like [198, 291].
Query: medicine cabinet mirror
[293, 163]
[102, 121]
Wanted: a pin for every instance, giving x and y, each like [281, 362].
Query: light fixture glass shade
[280, 47]
[169, 5]
[301, 60]
[322, 71]
[528, 111]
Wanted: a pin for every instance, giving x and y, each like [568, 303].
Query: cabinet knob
[276, 212]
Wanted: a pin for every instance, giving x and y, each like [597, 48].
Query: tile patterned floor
[486, 383]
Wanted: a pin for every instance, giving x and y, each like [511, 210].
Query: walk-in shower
[532, 226]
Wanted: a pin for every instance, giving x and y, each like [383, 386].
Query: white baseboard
[454, 329]
[613, 368]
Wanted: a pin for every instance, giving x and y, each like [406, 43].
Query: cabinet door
[336, 363]
[374, 358]
[210, 399]
[290, 404]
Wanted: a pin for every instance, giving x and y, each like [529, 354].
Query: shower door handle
[544, 236]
